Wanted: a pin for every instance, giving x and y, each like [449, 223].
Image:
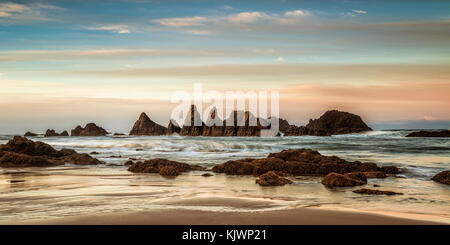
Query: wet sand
[297, 216]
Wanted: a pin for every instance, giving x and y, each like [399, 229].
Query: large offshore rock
[145, 126]
[91, 129]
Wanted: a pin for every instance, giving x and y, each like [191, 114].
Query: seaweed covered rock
[22, 152]
[342, 180]
[159, 165]
[389, 170]
[442, 177]
[294, 162]
[91, 129]
[376, 192]
[169, 171]
[271, 178]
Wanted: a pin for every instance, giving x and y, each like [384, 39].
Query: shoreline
[295, 216]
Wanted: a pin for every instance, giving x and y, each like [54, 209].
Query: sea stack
[145, 126]
[91, 129]
[173, 128]
[52, 133]
[330, 123]
[189, 127]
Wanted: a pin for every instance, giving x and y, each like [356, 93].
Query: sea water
[69, 190]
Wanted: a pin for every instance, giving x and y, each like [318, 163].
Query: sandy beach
[298, 216]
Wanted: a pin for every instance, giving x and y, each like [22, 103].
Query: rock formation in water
[189, 126]
[22, 152]
[442, 177]
[162, 166]
[29, 134]
[330, 123]
[52, 133]
[376, 192]
[443, 133]
[145, 126]
[297, 162]
[244, 123]
[91, 129]
[272, 179]
[173, 127]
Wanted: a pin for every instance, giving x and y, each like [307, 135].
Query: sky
[64, 63]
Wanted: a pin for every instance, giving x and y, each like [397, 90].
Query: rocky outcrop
[29, 134]
[214, 126]
[294, 162]
[330, 123]
[442, 177]
[52, 133]
[189, 126]
[162, 166]
[376, 192]
[91, 129]
[272, 179]
[119, 134]
[145, 126]
[443, 133]
[173, 128]
[22, 152]
[342, 180]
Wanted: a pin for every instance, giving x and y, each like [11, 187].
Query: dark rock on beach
[272, 179]
[443, 133]
[22, 152]
[119, 134]
[91, 129]
[207, 175]
[342, 180]
[52, 133]
[389, 170]
[294, 162]
[159, 165]
[376, 192]
[29, 134]
[442, 177]
[145, 126]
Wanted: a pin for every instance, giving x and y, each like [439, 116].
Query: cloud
[121, 29]
[41, 55]
[246, 17]
[359, 11]
[429, 118]
[181, 22]
[280, 59]
[296, 13]
[13, 8]
[20, 13]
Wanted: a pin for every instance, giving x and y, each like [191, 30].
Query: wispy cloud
[358, 11]
[15, 12]
[246, 17]
[121, 29]
[296, 13]
[181, 22]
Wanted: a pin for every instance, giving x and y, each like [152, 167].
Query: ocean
[69, 190]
